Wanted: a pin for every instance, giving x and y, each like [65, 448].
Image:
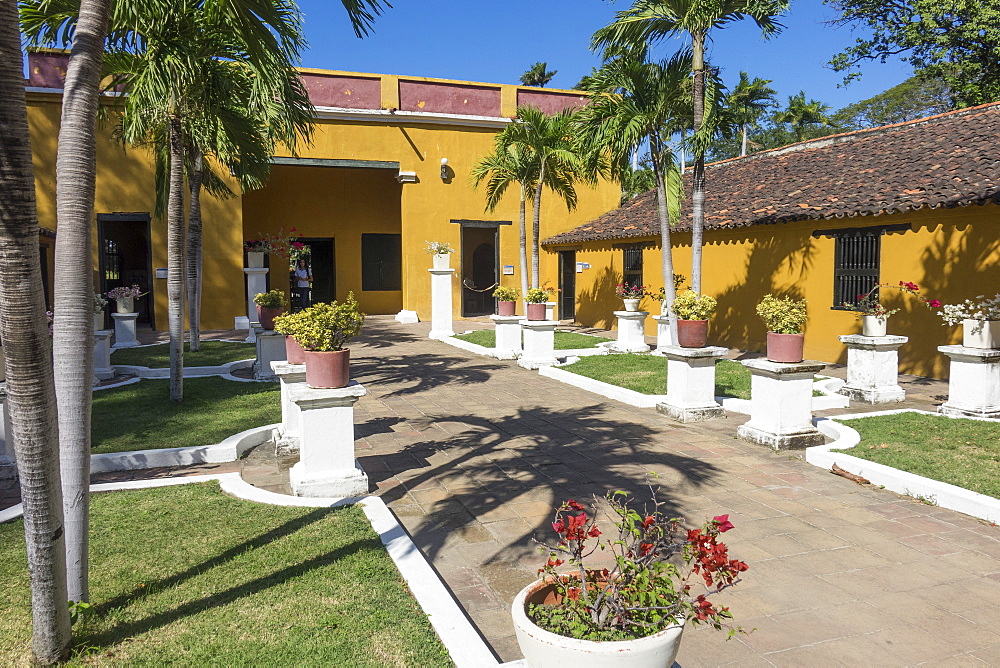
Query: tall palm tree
[537, 75]
[503, 167]
[639, 102]
[800, 115]
[30, 386]
[547, 141]
[747, 102]
[648, 21]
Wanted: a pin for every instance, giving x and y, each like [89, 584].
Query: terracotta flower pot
[505, 308]
[536, 311]
[785, 348]
[328, 369]
[294, 353]
[692, 333]
[266, 316]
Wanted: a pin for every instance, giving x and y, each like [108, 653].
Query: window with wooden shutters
[856, 265]
[632, 266]
[381, 262]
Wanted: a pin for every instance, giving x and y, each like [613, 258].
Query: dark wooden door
[567, 285]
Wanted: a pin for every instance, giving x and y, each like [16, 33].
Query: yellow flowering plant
[689, 305]
[328, 327]
[782, 315]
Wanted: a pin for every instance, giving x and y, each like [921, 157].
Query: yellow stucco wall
[953, 254]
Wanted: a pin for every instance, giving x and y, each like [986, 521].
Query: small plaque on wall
[579, 267]
[508, 270]
[161, 272]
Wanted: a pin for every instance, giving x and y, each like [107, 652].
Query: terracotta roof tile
[947, 160]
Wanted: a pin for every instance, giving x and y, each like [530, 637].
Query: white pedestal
[125, 330]
[270, 349]
[873, 368]
[8, 462]
[327, 466]
[539, 343]
[781, 405]
[631, 332]
[407, 317]
[508, 336]
[241, 322]
[441, 303]
[691, 384]
[256, 284]
[664, 339]
[102, 356]
[550, 310]
[291, 376]
[973, 382]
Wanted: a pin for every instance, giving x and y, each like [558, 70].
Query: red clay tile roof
[948, 160]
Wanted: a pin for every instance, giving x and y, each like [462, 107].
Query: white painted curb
[189, 371]
[460, 637]
[492, 352]
[941, 493]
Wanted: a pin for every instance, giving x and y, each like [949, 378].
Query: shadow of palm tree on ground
[419, 372]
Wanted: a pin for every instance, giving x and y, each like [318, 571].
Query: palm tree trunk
[30, 386]
[698, 175]
[194, 254]
[175, 257]
[536, 215]
[666, 248]
[743, 141]
[524, 252]
[73, 322]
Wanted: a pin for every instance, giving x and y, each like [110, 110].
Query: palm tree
[30, 385]
[638, 102]
[537, 75]
[648, 21]
[747, 102]
[801, 115]
[547, 141]
[504, 167]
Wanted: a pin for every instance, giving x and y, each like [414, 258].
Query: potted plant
[536, 298]
[100, 303]
[323, 330]
[693, 311]
[125, 298]
[633, 613]
[980, 318]
[506, 300]
[874, 315]
[441, 252]
[784, 318]
[270, 305]
[631, 295]
[272, 244]
[288, 324]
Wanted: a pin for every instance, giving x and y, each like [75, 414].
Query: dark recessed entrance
[319, 257]
[479, 270]
[125, 258]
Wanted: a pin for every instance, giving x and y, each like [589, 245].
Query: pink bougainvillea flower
[723, 522]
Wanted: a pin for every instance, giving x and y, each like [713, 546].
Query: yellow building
[366, 196]
[823, 220]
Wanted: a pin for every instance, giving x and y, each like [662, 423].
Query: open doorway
[125, 258]
[479, 270]
[317, 254]
[567, 285]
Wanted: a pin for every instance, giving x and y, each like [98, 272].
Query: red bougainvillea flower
[573, 505]
[558, 526]
[934, 303]
[723, 522]
[648, 522]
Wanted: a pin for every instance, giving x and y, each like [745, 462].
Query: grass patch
[965, 453]
[212, 353]
[563, 340]
[189, 576]
[648, 374]
[141, 416]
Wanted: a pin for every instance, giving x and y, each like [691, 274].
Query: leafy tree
[538, 75]
[30, 385]
[915, 98]
[957, 41]
[747, 102]
[801, 114]
[648, 21]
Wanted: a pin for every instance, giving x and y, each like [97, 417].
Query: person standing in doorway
[303, 281]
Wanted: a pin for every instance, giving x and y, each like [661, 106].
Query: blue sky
[497, 41]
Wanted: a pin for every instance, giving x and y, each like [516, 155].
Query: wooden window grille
[856, 265]
[632, 266]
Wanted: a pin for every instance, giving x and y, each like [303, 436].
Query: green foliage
[538, 295]
[689, 305]
[537, 75]
[211, 353]
[270, 299]
[957, 41]
[917, 97]
[647, 374]
[782, 315]
[507, 294]
[288, 323]
[326, 327]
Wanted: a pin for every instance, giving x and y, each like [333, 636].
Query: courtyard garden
[564, 339]
[211, 353]
[648, 373]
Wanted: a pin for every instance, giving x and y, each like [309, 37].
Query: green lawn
[648, 374]
[965, 453]
[563, 340]
[212, 353]
[188, 576]
[140, 416]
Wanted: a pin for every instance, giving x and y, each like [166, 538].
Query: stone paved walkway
[472, 454]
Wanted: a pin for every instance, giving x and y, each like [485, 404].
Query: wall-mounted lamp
[444, 168]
